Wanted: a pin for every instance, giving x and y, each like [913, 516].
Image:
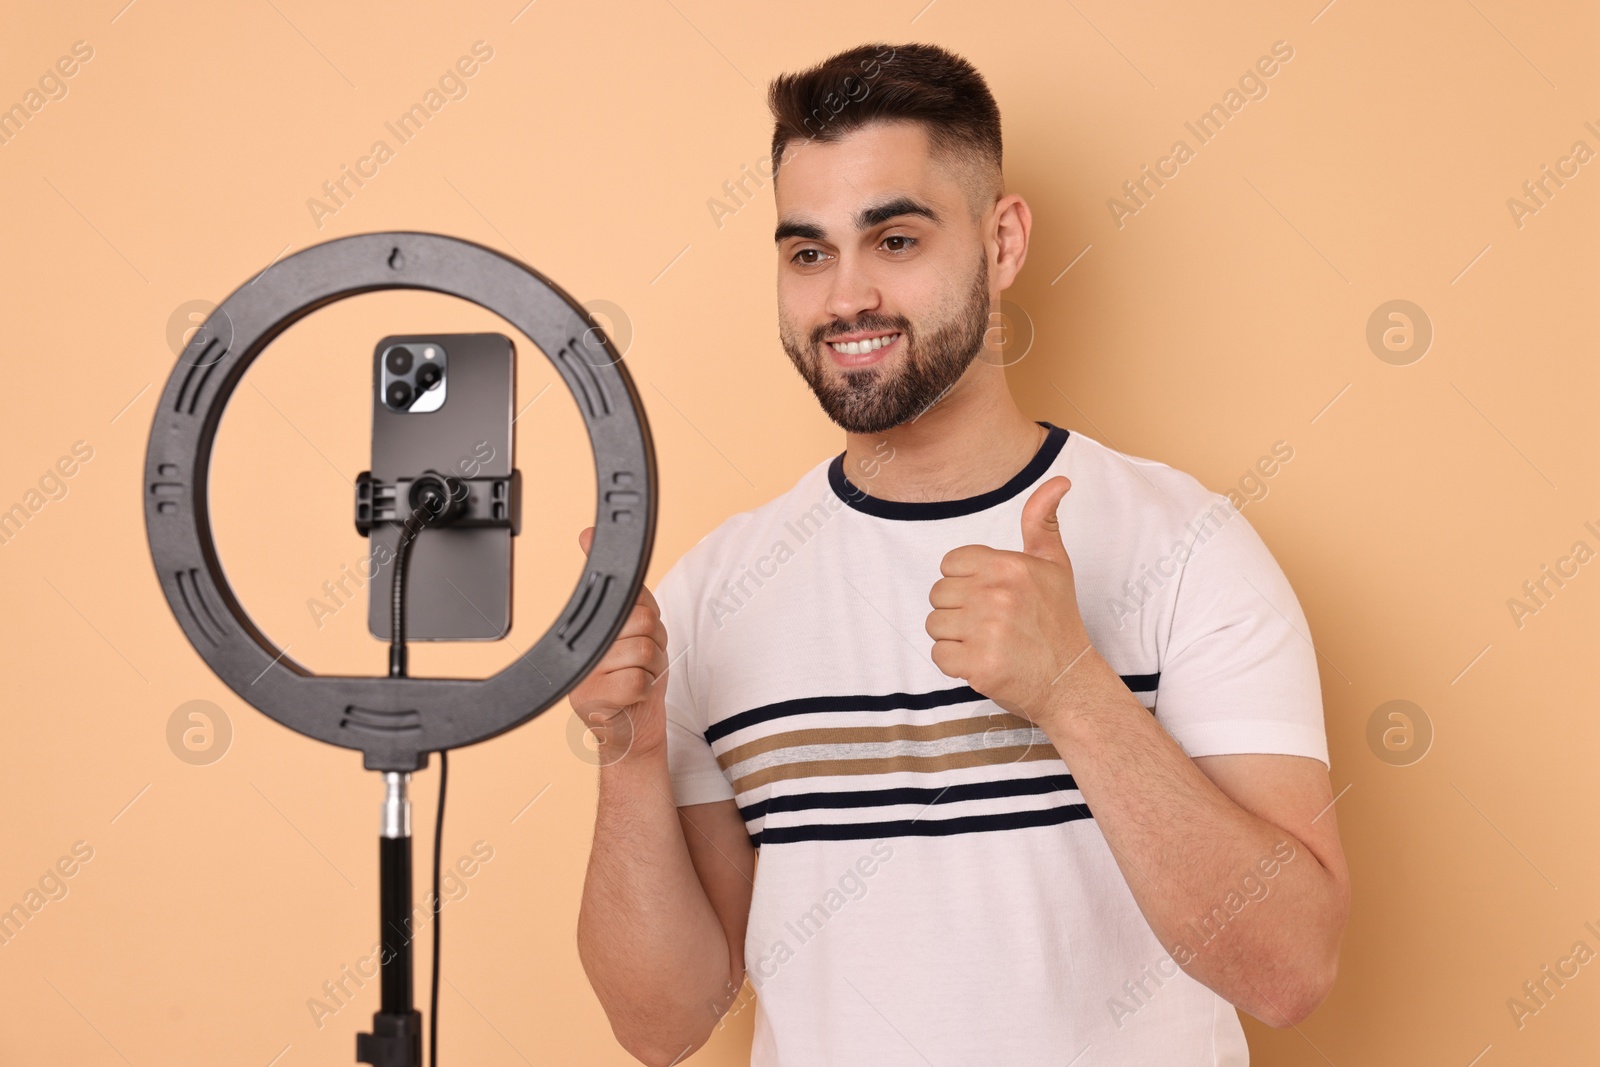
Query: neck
[973, 440]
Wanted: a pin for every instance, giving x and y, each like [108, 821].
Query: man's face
[860, 260]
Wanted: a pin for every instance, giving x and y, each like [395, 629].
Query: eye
[807, 262]
[906, 246]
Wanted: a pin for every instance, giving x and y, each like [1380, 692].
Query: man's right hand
[624, 699]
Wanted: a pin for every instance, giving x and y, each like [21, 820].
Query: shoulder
[1125, 492]
[745, 534]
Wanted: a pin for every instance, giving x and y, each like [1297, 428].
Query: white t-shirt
[931, 887]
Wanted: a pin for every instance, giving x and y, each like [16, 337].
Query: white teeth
[858, 348]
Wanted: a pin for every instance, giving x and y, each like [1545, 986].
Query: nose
[853, 289]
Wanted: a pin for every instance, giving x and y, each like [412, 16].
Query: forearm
[648, 937]
[1196, 862]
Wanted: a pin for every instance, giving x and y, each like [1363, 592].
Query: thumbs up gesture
[1008, 622]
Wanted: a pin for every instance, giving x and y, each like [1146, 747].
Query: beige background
[1228, 314]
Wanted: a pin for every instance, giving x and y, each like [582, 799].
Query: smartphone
[443, 402]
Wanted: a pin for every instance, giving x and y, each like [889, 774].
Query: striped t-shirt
[930, 886]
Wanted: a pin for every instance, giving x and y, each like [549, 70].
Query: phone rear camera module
[412, 375]
[398, 395]
[398, 360]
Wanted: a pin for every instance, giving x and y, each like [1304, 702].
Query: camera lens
[398, 360]
[428, 375]
[399, 395]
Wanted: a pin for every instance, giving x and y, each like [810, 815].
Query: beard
[880, 397]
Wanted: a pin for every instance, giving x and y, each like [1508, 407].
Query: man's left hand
[1008, 622]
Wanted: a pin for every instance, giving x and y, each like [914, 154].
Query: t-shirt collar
[859, 499]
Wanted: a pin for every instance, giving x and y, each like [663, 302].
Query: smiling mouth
[863, 348]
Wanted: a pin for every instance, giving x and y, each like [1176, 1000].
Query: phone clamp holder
[491, 501]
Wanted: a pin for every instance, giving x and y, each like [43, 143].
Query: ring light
[395, 722]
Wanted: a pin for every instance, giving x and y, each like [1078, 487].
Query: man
[1028, 732]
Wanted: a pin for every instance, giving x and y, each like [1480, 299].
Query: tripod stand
[396, 1037]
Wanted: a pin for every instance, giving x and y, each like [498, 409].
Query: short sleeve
[697, 778]
[1239, 672]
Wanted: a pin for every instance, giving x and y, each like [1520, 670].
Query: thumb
[1041, 531]
[586, 538]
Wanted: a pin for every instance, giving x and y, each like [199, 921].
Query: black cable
[438, 840]
[397, 600]
[397, 669]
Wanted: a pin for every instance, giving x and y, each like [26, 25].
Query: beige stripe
[884, 765]
[852, 735]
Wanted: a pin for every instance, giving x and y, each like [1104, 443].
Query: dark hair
[884, 83]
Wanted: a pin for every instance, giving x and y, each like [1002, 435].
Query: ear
[1013, 223]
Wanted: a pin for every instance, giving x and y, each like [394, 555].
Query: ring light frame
[395, 722]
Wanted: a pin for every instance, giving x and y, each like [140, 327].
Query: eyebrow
[867, 218]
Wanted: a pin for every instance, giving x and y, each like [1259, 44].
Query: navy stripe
[1142, 683]
[961, 694]
[864, 798]
[965, 824]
